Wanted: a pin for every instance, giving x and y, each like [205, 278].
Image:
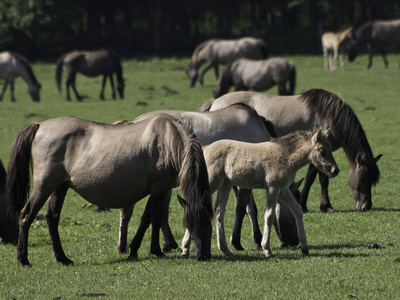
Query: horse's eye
[322, 151]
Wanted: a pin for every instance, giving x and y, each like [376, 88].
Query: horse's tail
[59, 67]
[207, 105]
[18, 181]
[292, 79]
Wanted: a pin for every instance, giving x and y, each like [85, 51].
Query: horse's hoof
[185, 252]
[132, 258]
[227, 252]
[267, 253]
[67, 262]
[326, 209]
[169, 248]
[305, 252]
[236, 245]
[120, 250]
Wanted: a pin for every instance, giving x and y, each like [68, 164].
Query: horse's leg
[4, 89]
[71, 82]
[157, 205]
[383, 52]
[370, 53]
[103, 84]
[169, 239]
[310, 177]
[12, 98]
[325, 205]
[125, 217]
[186, 243]
[288, 199]
[112, 85]
[219, 210]
[55, 203]
[206, 68]
[282, 89]
[269, 217]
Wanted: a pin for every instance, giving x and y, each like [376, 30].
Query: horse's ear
[182, 201]
[328, 133]
[359, 159]
[378, 158]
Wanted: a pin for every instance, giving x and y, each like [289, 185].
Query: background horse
[13, 65]
[110, 166]
[8, 226]
[237, 122]
[217, 51]
[376, 34]
[259, 75]
[92, 64]
[335, 43]
[317, 108]
[271, 166]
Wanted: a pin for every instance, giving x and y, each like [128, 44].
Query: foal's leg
[310, 177]
[52, 215]
[219, 210]
[4, 89]
[335, 57]
[125, 216]
[269, 217]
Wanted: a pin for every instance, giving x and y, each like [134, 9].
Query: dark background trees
[40, 28]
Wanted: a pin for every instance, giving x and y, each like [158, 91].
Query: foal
[271, 166]
[335, 42]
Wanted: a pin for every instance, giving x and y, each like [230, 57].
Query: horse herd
[238, 141]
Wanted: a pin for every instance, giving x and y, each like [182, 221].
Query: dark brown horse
[110, 166]
[317, 108]
[376, 34]
[92, 64]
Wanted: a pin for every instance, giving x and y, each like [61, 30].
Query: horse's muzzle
[334, 171]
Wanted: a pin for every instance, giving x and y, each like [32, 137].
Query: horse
[376, 34]
[336, 43]
[92, 64]
[317, 108]
[8, 228]
[110, 166]
[12, 65]
[271, 166]
[237, 122]
[258, 75]
[218, 51]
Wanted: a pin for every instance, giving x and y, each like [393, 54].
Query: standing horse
[110, 166]
[13, 65]
[92, 64]
[376, 34]
[336, 43]
[317, 108]
[258, 75]
[8, 226]
[271, 166]
[217, 51]
[237, 122]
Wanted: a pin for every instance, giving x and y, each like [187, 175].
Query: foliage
[339, 266]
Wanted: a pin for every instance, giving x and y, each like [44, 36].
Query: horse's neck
[27, 76]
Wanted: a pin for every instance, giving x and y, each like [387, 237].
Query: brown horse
[92, 64]
[336, 43]
[376, 34]
[217, 51]
[317, 108]
[258, 75]
[12, 66]
[110, 166]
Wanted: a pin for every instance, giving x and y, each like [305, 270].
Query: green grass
[339, 266]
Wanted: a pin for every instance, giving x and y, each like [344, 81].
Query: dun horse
[12, 66]
[92, 64]
[271, 166]
[236, 122]
[110, 166]
[258, 75]
[376, 34]
[217, 51]
[318, 108]
[335, 43]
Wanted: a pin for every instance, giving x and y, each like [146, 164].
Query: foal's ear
[182, 201]
[316, 136]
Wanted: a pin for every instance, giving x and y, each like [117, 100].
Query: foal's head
[321, 154]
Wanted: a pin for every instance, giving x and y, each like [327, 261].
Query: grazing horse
[258, 75]
[271, 166]
[110, 166]
[317, 108]
[8, 226]
[237, 122]
[217, 51]
[336, 43]
[92, 64]
[376, 34]
[13, 65]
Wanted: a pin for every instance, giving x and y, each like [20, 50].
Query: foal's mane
[26, 66]
[347, 131]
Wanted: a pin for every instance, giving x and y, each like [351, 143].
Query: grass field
[339, 266]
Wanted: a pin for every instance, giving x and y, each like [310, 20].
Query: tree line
[37, 28]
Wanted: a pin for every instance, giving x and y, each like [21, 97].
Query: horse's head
[33, 91]
[199, 226]
[360, 180]
[321, 155]
[192, 74]
[352, 48]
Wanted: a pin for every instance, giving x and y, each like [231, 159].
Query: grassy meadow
[340, 265]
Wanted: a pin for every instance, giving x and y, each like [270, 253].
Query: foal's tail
[59, 69]
[292, 79]
[18, 180]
